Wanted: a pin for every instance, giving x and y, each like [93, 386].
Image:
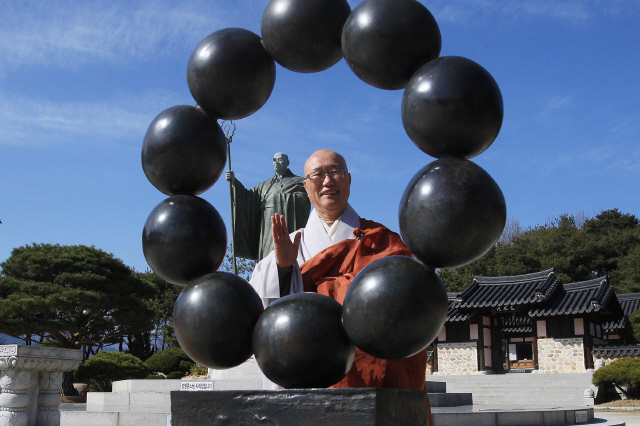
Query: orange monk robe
[331, 271]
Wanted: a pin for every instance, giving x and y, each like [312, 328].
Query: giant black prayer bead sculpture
[184, 151]
[452, 107]
[451, 213]
[184, 237]
[395, 307]
[299, 342]
[304, 35]
[230, 74]
[385, 41]
[214, 318]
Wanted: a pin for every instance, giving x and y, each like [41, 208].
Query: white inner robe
[313, 240]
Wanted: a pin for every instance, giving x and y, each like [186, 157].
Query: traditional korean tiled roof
[518, 290]
[580, 298]
[610, 351]
[630, 303]
[453, 313]
[517, 324]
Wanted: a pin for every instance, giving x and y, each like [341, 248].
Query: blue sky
[81, 81]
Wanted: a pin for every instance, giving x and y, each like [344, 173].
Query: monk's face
[330, 195]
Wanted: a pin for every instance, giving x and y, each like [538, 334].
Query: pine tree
[75, 297]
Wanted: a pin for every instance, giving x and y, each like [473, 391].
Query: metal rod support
[229, 134]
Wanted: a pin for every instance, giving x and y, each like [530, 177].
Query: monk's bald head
[329, 187]
[324, 156]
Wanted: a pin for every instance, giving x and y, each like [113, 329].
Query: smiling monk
[326, 255]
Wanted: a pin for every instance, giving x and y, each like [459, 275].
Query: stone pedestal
[30, 379]
[300, 407]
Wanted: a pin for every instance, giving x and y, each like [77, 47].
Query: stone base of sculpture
[336, 407]
[30, 378]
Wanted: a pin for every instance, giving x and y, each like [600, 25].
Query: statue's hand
[229, 175]
[286, 251]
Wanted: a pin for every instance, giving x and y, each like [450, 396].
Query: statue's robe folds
[329, 268]
[254, 208]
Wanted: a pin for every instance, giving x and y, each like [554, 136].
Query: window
[560, 327]
[458, 332]
[524, 351]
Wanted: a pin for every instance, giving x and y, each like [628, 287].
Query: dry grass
[621, 403]
[194, 377]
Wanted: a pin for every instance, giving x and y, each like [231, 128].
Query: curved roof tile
[594, 295]
[516, 290]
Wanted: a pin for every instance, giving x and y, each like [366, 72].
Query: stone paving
[630, 417]
[602, 418]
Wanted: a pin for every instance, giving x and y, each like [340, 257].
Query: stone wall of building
[609, 360]
[560, 355]
[457, 358]
[606, 360]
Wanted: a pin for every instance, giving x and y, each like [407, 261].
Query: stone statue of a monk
[283, 193]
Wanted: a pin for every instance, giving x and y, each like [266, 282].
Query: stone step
[532, 393]
[558, 382]
[79, 418]
[436, 387]
[234, 375]
[521, 389]
[450, 399]
[166, 386]
[248, 370]
[501, 380]
[155, 393]
[87, 418]
[508, 393]
[521, 401]
[492, 379]
[529, 401]
[523, 386]
[454, 387]
[514, 378]
[158, 385]
[97, 401]
[533, 417]
[253, 384]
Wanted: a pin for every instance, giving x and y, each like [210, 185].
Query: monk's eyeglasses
[319, 176]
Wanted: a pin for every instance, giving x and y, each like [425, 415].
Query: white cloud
[554, 104]
[564, 10]
[71, 34]
[38, 122]
[465, 11]
[623, 136]
[68, 34]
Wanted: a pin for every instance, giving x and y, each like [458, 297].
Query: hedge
[102, 369]
[624, 372]
[170, 360]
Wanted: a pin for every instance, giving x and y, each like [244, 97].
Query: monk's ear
[304, 182]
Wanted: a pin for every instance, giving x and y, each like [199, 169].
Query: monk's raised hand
[286, 251]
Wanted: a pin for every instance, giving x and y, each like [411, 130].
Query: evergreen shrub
[185, 366]
[102, 369]
[198, 370]
[620, 373]
[176, 375]
[169, 360]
